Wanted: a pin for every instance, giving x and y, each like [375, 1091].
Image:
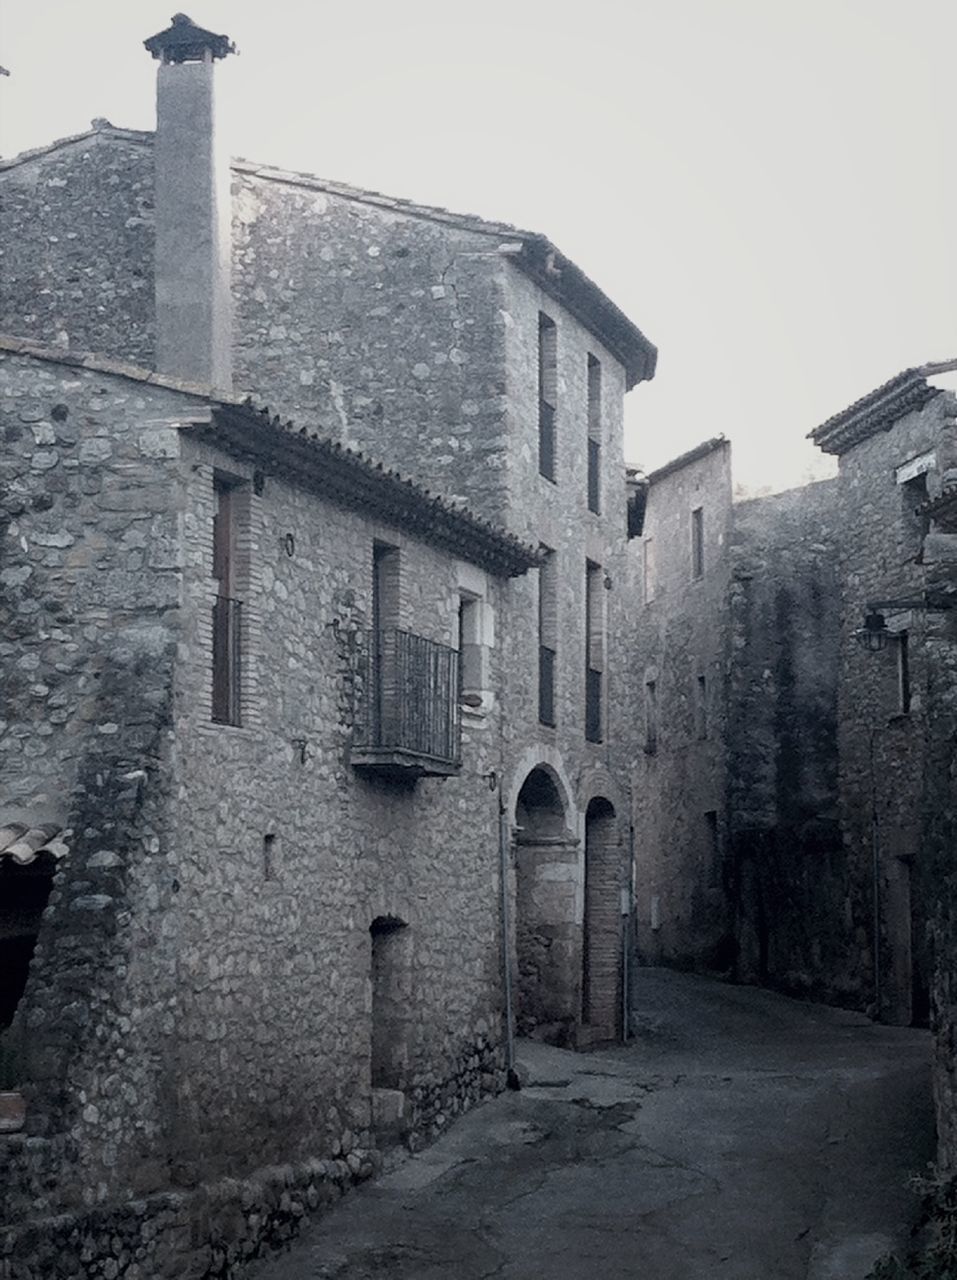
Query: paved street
[740, 1135]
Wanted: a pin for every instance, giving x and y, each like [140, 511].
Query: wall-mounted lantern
[874, 634]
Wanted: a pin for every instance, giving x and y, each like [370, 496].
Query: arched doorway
[601, 942]
[391, 1001]
[546, 931]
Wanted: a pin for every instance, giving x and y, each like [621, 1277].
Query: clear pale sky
[767, 187]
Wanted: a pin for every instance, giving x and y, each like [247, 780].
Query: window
[547, 394]
[471, 675]
[916, 523]
[697, 543]
[227, 608]
[594, 650]
[594, 435]
[648, 569]
[903, 673]
[547, 636]
[701, 706]
[651, 717]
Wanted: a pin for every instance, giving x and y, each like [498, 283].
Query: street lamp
[874, 635]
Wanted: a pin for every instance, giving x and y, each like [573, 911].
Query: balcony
[408, 721]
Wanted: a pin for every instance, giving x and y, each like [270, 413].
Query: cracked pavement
[739, 1135]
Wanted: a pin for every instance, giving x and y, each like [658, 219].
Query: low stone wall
[210, 1232]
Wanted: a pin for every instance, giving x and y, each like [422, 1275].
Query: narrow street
[739, 1135]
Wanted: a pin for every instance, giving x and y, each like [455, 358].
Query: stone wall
[795, 908]
[678, 671]
[198, 1011]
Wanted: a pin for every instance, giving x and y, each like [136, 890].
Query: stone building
[331, 769]
[830, 615]
[680, 637]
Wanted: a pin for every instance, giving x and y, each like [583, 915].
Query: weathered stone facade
[195, 1012]
[301, 950]
[795, 908]
[680, 639]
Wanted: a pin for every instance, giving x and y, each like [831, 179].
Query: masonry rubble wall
[678, 632]
[194, 1015]
[797, 916]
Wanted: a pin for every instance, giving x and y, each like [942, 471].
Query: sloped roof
[877, 411]
[532, 252]
[24, 844]
[686, 459]
[320, 463]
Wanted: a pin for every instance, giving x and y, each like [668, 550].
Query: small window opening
[651, 717]
[392, 999]
[697, 543]
[594, 435]
[227, 608]
[547, 636]
[270, 851]
[594, 650]
[701, 706]
[470, 645]
[903, 673]
[648, 569]
[916, 523]
[547, 394]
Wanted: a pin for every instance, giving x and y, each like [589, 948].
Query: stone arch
[546, 929]
[602, 926]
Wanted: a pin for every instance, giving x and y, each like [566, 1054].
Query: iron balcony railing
[227, 660]
[546, 439]
[409, 706]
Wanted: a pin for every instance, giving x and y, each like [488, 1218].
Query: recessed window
[701, 706]
[697, 543]
[228, 606]
[547, 394]
[594, 650]
[547, 636]
[651, 717]
[648, 569]
[915, 522]
[594, 435]
[903, 673]
[470, 647]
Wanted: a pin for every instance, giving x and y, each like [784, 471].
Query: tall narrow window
[594, 435]
[916, 523]
[547, 636]
[227, 609]
[712, 848]
[547, 394]
[651, 717]
[386, 700]
[648, 569]
[594, 650]
[903, 672]
[701, 706]
[697, 543]
[470, 648]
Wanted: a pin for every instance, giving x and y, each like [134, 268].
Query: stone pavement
[740, 1135]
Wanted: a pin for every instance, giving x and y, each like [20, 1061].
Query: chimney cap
[183, 41]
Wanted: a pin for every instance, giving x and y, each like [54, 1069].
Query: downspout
[628, 903]
[876, 875]
[511, 1075]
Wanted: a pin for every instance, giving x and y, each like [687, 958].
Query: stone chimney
[192, 204]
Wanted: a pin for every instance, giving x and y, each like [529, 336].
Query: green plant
[936, 1258]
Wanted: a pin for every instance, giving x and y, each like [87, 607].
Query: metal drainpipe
[876, 873]
[626, 933]
[511, 1074]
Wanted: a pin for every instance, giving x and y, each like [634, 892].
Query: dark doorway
[24, 891]
[601, 944]
[391, 1001]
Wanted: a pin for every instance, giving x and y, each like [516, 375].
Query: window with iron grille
[547, 394]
